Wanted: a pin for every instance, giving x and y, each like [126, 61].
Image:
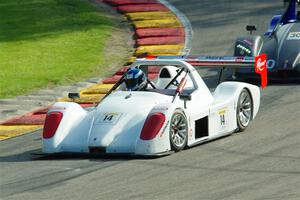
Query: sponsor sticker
[261, 69]
[271, 64]
[294, 36]
[108, 118]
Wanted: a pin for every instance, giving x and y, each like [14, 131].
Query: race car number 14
[108, 118]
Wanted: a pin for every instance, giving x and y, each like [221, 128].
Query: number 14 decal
[222, 117]
[108, 118]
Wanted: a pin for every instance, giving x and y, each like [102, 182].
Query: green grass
[44, 43]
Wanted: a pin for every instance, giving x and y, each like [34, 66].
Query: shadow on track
[37, 155]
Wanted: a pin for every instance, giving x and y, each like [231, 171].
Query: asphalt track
[261, 163]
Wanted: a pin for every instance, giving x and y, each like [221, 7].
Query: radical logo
[261, 69]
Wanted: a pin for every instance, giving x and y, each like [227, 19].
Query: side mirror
[186, 97]
[74, 96]
[251, 28]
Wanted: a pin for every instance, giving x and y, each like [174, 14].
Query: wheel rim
[178, 130]
[245, 109]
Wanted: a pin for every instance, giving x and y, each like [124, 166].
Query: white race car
[174, 111]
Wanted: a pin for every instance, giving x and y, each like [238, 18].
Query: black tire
[178, 131]
[244, 110]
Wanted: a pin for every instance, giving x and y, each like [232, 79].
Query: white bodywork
[80, 130]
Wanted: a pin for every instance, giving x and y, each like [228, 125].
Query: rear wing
[212, 61]
[222, 62]
[226, 62]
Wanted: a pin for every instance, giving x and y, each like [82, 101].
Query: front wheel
[178, 130]
[244, 110]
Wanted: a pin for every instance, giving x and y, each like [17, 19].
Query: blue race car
[281, 43]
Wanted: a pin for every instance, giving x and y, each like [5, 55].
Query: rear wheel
[178, 130]
[244, 110]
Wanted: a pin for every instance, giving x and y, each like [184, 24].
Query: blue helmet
[135, 79]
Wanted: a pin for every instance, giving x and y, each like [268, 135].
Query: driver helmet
[135, 79]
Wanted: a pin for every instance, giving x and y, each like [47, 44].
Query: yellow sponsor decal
[222, 112]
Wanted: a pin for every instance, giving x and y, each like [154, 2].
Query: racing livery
[173, 111]
[281, 44]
